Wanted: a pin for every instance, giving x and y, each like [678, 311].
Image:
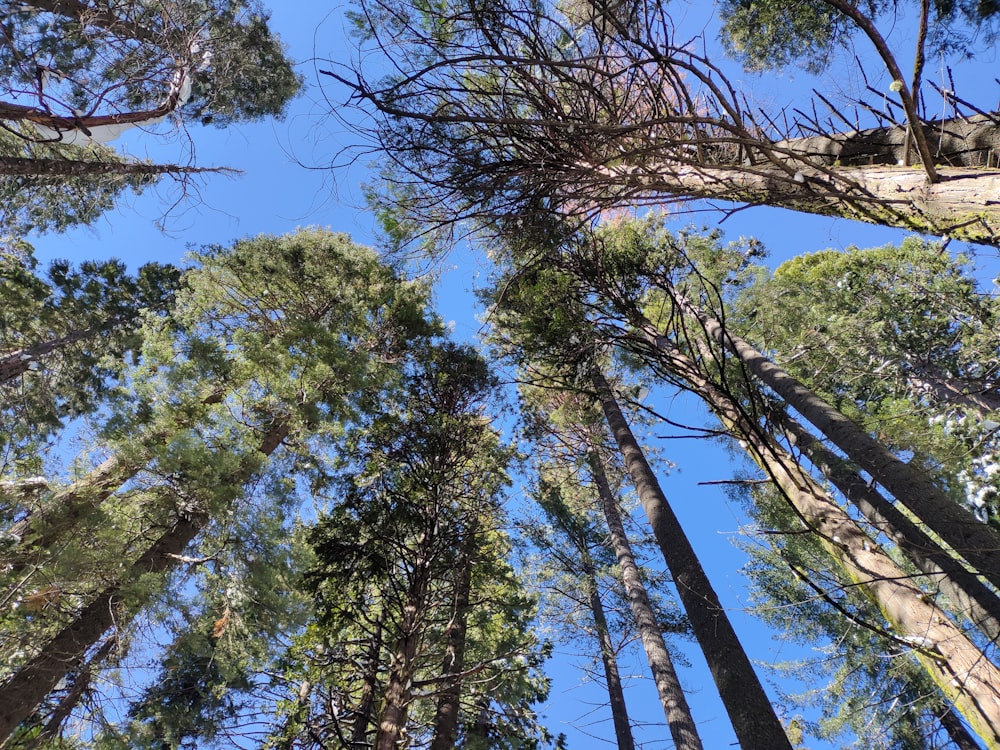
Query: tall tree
[576, 437]
[502, 111]
[304, 331]
[544, 302]
[91, 70]
[65, 337]
[413, 540]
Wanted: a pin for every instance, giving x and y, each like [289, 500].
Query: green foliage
[131, 52]
[64, 338]
[901, 339]
[46, 203]
[764, 35]
[420, 509]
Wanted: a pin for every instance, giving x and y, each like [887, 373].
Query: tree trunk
[13, 166]
[401, 671]
[970, 598]
[955, 525]
[81, 683]
[369, 690]
[20, 694]
[675, 705]
[947, 391]
[17, 363]
[68, 506]
[449, 703]
[955, 663]
[753, 718]
[965, 142]
[960, 206]
[609, 659]
[956, 730]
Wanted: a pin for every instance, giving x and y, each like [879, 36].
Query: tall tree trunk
[956, 730]
[446, 715]
[81, 683]
[369, 690]
[68, 506]
[960, 206]
[955, 525]
[398, 693]
[17, 363]
[397, 689]
[958, 667]
[609, 660]
[65, 651]
[22, 166]
[675, 705]
[970, 598]
[752, 715]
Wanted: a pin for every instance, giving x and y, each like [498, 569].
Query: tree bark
[398, 686]
[675, 706]
[369, 690]
[970, 598]
[449, 703]
[752, 715]
[81, 683]
[958, 667]
[956, 526]
[15, 166]
[20, 694]
[964, 142]
[17, 363]
[960, 206]
[609, 660]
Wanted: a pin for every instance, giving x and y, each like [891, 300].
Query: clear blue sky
[278, 193]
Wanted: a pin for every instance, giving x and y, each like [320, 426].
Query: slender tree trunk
[369, 690]
[947, 391]
[616, 694]
[753, 717]
[15, 166]
[449, 703]
[17, 363]
[20, 694]
[956, 730]
[955, 525]
[81, 683]
[957, 666]
[675, 705]
[401, 671]
[970, 598]
[42, 529]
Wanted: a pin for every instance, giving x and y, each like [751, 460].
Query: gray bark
[675, 706]
[970, 598]
[963, 142]
[752, 715]
[956, 526]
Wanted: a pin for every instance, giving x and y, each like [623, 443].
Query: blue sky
[287, 184]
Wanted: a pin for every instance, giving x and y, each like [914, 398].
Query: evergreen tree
[299, 334]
